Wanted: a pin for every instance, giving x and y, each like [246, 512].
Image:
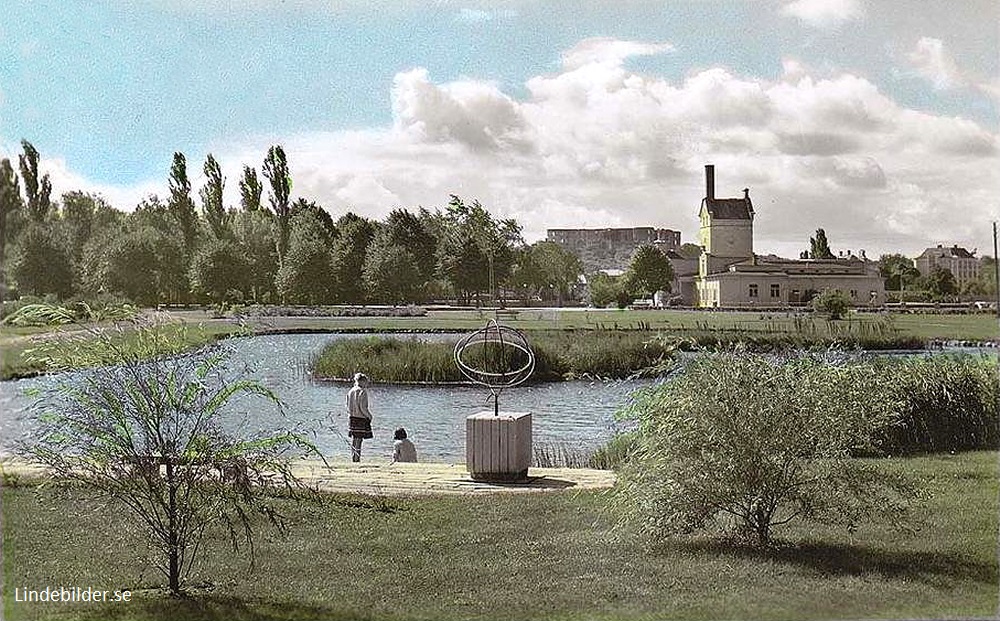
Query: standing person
[402, 447]
[360, 416]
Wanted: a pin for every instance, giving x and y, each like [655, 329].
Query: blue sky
[360, 94]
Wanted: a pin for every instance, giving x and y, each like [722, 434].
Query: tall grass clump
[607, 457]
[744, 443]
[558, 355]
[389, 359]
[949, 403]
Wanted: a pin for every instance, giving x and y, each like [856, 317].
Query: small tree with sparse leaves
[148, 433]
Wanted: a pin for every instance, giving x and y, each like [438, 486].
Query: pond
[577, 414]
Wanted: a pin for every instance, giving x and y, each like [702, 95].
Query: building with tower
[730, 274]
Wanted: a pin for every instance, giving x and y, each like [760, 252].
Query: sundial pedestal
[498, 446]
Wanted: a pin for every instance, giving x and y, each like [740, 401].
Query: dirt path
[401, 479]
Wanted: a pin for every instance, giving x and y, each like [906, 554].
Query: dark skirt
[360, 428]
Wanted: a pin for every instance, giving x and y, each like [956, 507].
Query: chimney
[710, 181]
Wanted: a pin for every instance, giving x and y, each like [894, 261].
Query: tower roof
[729, 208]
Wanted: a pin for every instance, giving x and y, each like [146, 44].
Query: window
[753, 290]
[775, 291]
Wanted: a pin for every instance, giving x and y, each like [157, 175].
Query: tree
[129, 266]
[747, 442]
[354, 234]
[305, 277]
[276, 172]
[211, 199]
[406, 229]
[10, 204]
[84, 215]
[689, 251]
[819, 248]
[897, 271]
[605, 290]
[391, 273]
[255, 232]
[650, 271]
[476, 251]
[833, 303]
[158, 225]
[557, 271]
[37, 191]
[180, 206]
[321, 214]
[150, 434]
[219, 270]
[988, 275]
[250, 189]
[40, 264]
[526, 275]
[941, 282]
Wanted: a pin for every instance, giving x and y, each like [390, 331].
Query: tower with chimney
[726, 232]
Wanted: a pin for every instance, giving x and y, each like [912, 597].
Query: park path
[404, 479]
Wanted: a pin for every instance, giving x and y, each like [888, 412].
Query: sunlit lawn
[544, 556]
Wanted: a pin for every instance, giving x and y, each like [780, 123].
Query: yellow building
[731, 275]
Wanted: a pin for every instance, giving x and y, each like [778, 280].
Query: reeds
[558, 355]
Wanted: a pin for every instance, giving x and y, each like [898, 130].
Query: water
[578, 414]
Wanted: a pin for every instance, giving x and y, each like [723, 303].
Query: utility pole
[996, 268]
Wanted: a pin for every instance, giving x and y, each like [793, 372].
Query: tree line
[190, 247]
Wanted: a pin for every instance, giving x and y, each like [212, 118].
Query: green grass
[539, 556]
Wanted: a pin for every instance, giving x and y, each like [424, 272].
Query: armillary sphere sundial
[495, 356]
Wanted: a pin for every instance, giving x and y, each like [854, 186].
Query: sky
[877, 121]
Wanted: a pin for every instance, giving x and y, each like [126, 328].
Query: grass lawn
[537, 556]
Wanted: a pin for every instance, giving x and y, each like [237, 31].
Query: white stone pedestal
[498, 447]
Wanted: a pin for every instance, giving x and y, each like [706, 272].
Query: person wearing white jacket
[360, 428]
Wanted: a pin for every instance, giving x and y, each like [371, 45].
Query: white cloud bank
[596, 145]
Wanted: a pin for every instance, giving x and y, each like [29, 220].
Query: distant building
[730, 274]
[612, 248]
[962, 264]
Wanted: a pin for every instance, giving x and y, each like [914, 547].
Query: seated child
[402, 448]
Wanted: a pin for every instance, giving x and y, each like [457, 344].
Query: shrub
[747, 442]
[834, 303]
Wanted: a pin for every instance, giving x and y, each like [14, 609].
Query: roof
[796, 267]
[955, 251]
[729, 208]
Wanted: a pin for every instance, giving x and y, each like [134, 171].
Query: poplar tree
[211, 198]
[37, 190]
[276, 171]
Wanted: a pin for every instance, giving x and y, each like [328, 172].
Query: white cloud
[480, 16]
[598, 145]
[824, 13]
[933, 62]
[608, 51]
